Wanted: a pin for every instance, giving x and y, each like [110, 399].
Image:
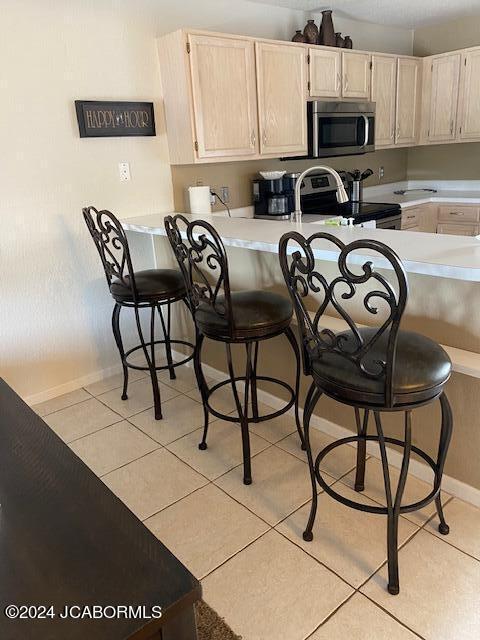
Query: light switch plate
[124, 171]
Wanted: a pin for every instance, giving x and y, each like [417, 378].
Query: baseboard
[72, 385]
[418, 469]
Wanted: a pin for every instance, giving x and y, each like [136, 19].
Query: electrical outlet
[225, 194]
[124, 171]
[381, 172]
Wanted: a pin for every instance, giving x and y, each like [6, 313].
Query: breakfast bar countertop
[445, 256]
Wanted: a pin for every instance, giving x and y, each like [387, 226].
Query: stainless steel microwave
[340, 128]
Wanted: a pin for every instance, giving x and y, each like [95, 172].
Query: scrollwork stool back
[152, 289]
[373, 369]
[230, 317]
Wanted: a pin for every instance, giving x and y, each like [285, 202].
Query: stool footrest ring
[268, 416]
[130, 365]
[366, 507]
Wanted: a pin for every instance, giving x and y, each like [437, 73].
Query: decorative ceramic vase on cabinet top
[327, 32]
[348, 44]
[339, 41]
[298, 37]
[311, 32]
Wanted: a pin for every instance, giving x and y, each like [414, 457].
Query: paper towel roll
[199, 198]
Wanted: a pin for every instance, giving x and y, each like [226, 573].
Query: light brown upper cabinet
[384, 87]
[282, 92]
[325, 73]
[224, 96]
[407, 101]
[442, 97]
[229, 97]
[469, 101]
[356, 75]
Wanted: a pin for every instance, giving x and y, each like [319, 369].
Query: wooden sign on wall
[99, 119]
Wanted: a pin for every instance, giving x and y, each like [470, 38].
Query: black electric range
[318, 196]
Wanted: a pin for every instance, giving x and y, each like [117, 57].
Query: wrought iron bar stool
[374, 370]
[150, 289]
[230, 317]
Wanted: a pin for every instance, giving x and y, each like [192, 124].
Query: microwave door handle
[367, 130]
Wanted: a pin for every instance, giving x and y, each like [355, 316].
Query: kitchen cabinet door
[445, 74]
[407, 101]
[356, 75]
[224, 96]
[469, 108]
[325, 73]
[282, 92]
[384, 87]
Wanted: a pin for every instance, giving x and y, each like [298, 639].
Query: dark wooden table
[65, 539]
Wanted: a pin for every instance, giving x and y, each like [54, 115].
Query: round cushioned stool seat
[421, 369]
[152, 285]
[255, 314]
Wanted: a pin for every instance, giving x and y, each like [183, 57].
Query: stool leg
[118, 339]
[361, 449]
[242, 413]
[393, 506]
[253, 382]
[445, 437]
[202, 387]
[311, 400]
[150, 360]
[166, 334]
[296, 351]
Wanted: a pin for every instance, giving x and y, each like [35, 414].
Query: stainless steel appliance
[340, 128]
[318, 196]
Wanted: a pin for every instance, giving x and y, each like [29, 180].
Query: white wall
[372, 37]
[55, 310]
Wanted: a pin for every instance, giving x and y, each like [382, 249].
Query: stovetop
[360, 211]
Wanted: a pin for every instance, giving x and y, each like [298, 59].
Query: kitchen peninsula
[444, 300]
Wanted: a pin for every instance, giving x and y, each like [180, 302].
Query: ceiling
[408, 14]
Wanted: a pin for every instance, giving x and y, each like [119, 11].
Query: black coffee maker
[274, 199]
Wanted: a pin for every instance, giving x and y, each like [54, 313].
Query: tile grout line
[87, 435]
[319, 562]
[129, 462]
[74, 404]
[249, 544]
[392, 616]
[331, 614]
[187, 495]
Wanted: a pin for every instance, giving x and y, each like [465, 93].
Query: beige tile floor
[245, 543]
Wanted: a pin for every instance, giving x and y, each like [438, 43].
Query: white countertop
[446, 256]
[446, 191]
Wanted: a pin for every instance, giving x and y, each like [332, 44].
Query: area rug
[210, 626]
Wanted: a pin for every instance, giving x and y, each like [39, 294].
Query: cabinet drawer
[410, 218]
[458, 214]
[458, 229]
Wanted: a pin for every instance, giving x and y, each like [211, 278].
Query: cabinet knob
[339, 81]
[253, 138]
[264, 137]
[451, 128]
[345, 85]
